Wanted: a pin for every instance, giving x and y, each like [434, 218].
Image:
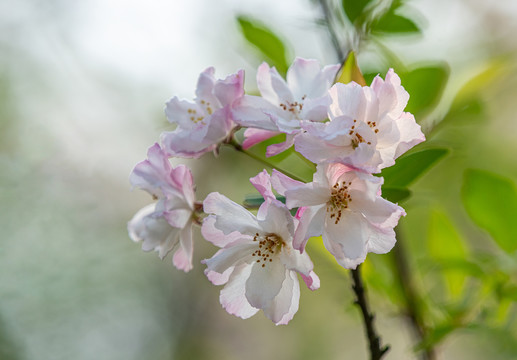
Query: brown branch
[374, 341]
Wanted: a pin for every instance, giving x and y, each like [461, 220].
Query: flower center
[195, 117]
[356, 137]
[269, 245]
[293, 107]
[339, 200]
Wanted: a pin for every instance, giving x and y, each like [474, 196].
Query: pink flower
[203, 124]
[257, 261]
[283, 105]
[166, 225]
[345, 207]
[368, 129]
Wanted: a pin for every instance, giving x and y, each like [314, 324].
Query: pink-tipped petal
[254, 136]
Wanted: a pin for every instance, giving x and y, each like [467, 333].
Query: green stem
[233, 143]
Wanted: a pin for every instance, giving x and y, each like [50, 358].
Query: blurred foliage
[265, 41]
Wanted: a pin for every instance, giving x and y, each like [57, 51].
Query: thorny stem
[233, 143]
[333, 36]
[409, 292]
[374, 341]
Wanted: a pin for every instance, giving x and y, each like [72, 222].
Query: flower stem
[374, 341]
[233, 143]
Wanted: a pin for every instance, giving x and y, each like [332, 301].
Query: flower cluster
[349, 131]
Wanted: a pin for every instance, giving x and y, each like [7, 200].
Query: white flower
[285, 104]
[368, 128]
[257, 261]
[345, 207]
[166, 225]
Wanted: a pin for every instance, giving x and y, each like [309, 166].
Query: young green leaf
[491, 202]
[395, 195]
[350, 71]
[425, 86]
[265, 41]
[354, 8]
[410, 167]
[392, 23]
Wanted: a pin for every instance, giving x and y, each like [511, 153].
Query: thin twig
[411, 297]
[333, 36]
[374, 341]
[233, 143]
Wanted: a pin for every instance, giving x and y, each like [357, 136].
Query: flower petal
[347, 239]
[230, 216]
[312, 222]
[264, 283]
[312, 281]
[281, 182]
[153, 231]
[262, 182]
[233, 296]
[230, 89]
[182, 258]
[231, 257]
[283, 307]
[272, 86]
[254, 136]
[219, 238]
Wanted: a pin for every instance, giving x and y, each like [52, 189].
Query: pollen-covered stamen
[269, 245]
[339, 200]
[373, 126]
[293, 107]
[356, 137]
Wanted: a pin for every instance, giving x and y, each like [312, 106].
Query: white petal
[219, 238]
[233, 296]
[282, 182]
[283, 307]
[182, 258]
[311, 224]
[230, 257]
[264, 283]
[230, 216]
[310, 194]
[347, 240]
[153, 231]
[381, 240]
[250, 111]
[272, 86]
[278, 220]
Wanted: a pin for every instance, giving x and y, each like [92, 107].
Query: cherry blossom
[203, 124]
[284, 104]
[166, 225]
[345, 207]
[368, 128]
[257, 262]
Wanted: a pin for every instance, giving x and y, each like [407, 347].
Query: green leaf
[425, 86]
[350, 71]
[265, 41]
[254, 201]
[391, 23]
[395, 195]
[410, 167]
[444, 244]
[491, 202]
[354, 8]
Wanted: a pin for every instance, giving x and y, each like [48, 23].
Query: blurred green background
[82, 91]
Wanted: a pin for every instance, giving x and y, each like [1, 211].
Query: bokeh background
[82, 90]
